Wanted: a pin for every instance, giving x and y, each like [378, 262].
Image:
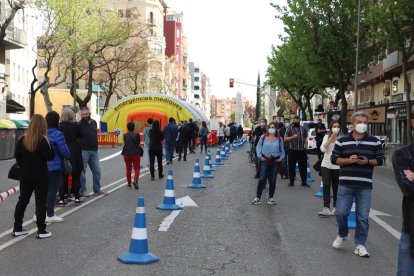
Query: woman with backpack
[203, 136]
[270, 151]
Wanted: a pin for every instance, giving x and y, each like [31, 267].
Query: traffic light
[231, 83]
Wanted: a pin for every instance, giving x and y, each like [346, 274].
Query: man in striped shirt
[357, 153]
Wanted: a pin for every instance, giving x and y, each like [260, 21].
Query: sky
[230, 39]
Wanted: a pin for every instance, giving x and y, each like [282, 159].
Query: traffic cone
[227, 149]
[138, 247]
[320, 193]
[223, 154]
[196, 177]
[169, 195]
[308, 176]
[218, 159]
[206, 172]
[209, 161]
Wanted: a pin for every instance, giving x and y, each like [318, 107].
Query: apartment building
[381, 95]
[196, 83]
[17, 57]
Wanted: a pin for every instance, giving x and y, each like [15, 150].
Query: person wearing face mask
[270, 151]
[295, 139]
[330, 172]
[89, 146]
[258, 132]
[357, 153]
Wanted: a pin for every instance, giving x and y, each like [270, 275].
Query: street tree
[290, 71]
[325, 32]
[8, 14]
[394, 25]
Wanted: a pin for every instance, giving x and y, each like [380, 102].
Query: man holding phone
[357, 153]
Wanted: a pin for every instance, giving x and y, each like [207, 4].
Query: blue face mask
[272, 131]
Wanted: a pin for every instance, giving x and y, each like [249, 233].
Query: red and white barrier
[8, 193]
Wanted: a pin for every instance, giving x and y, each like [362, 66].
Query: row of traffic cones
[138, 252]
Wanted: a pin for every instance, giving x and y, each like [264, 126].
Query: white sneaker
[333, 212]
[271, 201]
[338, 242]
[256, 201]
[361, 251]
[54, 219]
[325, 212]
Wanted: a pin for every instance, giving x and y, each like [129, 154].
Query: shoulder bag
[14, 172]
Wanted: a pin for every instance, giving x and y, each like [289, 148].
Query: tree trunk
[33, 91]
[73, 81]
[45, 92]
[341, 96]
[109, 94]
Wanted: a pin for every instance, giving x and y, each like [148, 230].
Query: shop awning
[14, 107]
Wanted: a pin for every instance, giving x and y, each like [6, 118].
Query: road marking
[373, 214]
[110, 156]
[166, 223]
[186, 201]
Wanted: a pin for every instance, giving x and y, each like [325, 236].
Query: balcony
[392, 60]
[15, 39]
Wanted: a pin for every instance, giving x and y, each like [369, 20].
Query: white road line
[373, 214]
[166, 223]
[110, 156]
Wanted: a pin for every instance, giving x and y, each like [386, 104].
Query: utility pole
[258, 103]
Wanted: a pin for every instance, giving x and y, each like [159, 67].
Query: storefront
[377, 124]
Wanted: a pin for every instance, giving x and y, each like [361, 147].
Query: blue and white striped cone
[196, 177]
[209, 161]
[227, 149]
[206, 169]
[308, 175]
[297, 167]
[320, 193]
[138, 247]
[169, 195]
[223, 154]
[218, 162]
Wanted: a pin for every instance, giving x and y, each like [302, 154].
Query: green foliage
[232, 117]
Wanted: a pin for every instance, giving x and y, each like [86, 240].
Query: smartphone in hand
[361, 157]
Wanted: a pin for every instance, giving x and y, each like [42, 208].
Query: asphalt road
[224, 235]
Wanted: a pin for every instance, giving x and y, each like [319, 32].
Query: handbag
[67, 166]
[14, 172]
[317, 165]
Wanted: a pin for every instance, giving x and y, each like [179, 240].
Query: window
[178, 34]
[395, 86]
[196, 87]
[196, 78]
[177, 46]
[18, 73]
[128, 13]
[151, 18]
[196, 70]
[157, 49]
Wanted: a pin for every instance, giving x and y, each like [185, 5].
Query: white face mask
[272, 131]
[335, 130]
[361, 128]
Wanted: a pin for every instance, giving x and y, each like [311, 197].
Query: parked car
[311, 139]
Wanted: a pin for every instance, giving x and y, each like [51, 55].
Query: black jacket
[72, 133]
[34, 164]
[89, 135]
[185, 134]
[403, 159]
[131, 144]
[156, 138]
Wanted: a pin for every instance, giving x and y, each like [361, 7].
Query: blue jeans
[169, 151]
[343, 208]
[267, 172]
[405, 261]
[55, 179]
[92, 158]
